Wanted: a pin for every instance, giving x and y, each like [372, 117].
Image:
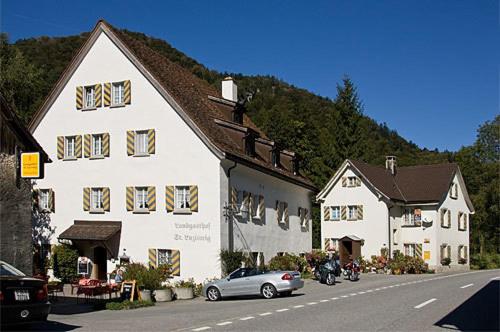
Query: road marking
[334, 298]
[424, 303]
[361, 293]
[377, 289]
[312, 303]
[468, 285]
[224, 323]
[203, 328]
[299, 306]
[495, 278]
[265, 314]
[281, 310]
[322, 301]
[353, 294]
[345, 296]
[369, 291]
[247, 318]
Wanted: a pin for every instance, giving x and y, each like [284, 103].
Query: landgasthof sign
[30, 165]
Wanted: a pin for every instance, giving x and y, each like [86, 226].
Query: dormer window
[295, 165]
[454, 190]
[250, 144]
[275, 156]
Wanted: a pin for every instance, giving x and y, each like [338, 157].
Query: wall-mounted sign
[427, 240]
[31, 165]
[427, 255]
[83, 265]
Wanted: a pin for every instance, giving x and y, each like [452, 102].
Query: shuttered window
[352, 212]
[89, 96]
[96, 199]
[409, 249]
[182, 197]
[69, 147]
[141, 198]
[118, 93]
[97, 149]
[335, 213]
[43, 199]
[141, 142]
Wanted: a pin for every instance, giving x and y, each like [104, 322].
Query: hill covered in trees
[322, 131]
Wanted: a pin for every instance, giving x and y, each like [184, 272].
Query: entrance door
[100, 263]
[345, 251]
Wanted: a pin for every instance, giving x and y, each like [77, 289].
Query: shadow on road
[42, 326]
[255, 297]
[479, 312]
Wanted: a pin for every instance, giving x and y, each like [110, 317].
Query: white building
[152, 161]
[418, 210]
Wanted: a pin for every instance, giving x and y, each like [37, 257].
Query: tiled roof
[91, 230]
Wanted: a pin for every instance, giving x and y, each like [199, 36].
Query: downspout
[230, 231]
[390, 230]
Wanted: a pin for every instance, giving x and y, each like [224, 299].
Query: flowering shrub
[400, 264]
[288, 262]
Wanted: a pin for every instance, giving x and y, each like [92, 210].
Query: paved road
[463, 301]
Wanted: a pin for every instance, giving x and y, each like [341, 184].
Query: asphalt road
[461, 301]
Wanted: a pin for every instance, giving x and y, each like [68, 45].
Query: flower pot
[163, 295]
[145, 295]
[184, 293]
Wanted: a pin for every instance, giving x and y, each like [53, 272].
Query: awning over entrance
[350, 238]
[86, 233]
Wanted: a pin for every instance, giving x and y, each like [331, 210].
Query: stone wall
[15, 217]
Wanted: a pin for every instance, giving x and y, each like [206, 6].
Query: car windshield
[9, 270]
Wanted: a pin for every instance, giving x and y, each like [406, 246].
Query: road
[459, 301]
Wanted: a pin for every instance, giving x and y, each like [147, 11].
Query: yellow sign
[30, 165]
[427, 255]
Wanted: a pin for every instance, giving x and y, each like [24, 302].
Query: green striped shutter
[107, 94]
[105, 144]
[128, 95]
[60, 147]
[360, 212]
[418, 250]
[52, 201]
[86, 199]
[343, 212]
[193, 198]
[78, 146]
[106, 199]
[169, 198]
[79, 97]
[98, 95]
[130, 198]
[151, 141]
[152, 258]
[87, 138]
[326, 213]
[176, 263]
[151, 198]
[130, 142]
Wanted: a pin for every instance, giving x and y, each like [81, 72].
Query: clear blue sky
[429, 69]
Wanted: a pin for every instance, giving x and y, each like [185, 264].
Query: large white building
[419, 210]
[152, 161]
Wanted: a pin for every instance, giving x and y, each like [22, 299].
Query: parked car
[22, 298]
[249, 281]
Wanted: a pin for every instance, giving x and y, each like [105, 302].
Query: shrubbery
[64, 262]
[485, 261]
[146, 278]
[125, 305]
[288, 262]
[231, 260]
[400, 264]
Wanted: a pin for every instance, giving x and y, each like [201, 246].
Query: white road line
[361, 293]
[369, 291]
[468, 285]
[281, 310]
[299, 306]
[353, 294]
[334, 298]
[312, 303]
[377, 289]
[495, 278]
[424, 303]
[322, 301]
[344, 296]
[247, 318]
[265, 314]
[203, 328]
[224, 323]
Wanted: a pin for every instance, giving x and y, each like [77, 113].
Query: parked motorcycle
[352, 271]
[317, 269]
[328, 272]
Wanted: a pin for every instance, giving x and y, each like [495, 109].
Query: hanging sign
[31, 166]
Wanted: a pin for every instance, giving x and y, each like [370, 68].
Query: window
[141, 198]
[69, 147]
[43, 200]
[141, 142]
[335, 213]
[412, 217]
[238, 274]
[182, 197]
[255, 207]
[117, 93]
[352, 181]
[96, 199]
[164, 256]
[395, 236]
[409, 249]
[462, 221]
[352, 212]
[97, 145]
[445, 217]
[454, 190]
[89, 97]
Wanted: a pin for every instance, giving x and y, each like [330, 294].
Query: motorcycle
[352, 271]
[328, 272]
[317, 269]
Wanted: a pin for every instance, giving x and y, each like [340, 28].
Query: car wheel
[268, 291]
[287, 293]
[330, 279]
[213, 294]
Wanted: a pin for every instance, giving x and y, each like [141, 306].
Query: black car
[22, 298]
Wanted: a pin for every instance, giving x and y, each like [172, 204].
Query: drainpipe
[390, 230]
[230, 217]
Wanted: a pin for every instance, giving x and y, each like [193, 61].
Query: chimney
[229, 89]
[390, 164]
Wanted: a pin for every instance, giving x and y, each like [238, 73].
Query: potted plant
[163, 293]
[462, 261]
[184, 289]
[446, 261]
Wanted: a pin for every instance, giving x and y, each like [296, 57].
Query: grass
[126, 305]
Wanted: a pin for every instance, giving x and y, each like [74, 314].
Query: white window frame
[444, 251]
[462, 221]
[444, 212]
[121, 93]
[138, 144]
[164, 256]
[409, 217]
[97, 138]
[352, 181]
[332, 214]
[454, 190]
[89, 91]
[354, 209]
[141, 199]
[97, 193]
[410, 249]
[44, 200]
[282, 209]
[182, 196]
[70, 141]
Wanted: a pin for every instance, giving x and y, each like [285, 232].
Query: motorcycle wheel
[330, 279]
[317, 274]
[354, 276]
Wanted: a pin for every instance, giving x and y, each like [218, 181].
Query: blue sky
[429, 69]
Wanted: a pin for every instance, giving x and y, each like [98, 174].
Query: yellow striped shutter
[106, 199]
[52, 200]
[344, 181]
[79, 97]
[86, 199]
[358, 182]
[441, 217]
[246, 200]
[262, 207]
[105, 144]
[107, 94]
[98, 95]
[151, 198]
[130, 142]
[326, 244]
[234, 199]
[87, 138]
[459, 253]
[418, 250]
[78, 146]
[169, 198]
[278, 211]
[60, 147]
[129, 197]
[306, 217]
[343, 212]
[152, 258]
[250, 205]
[151, 141]
[128, 95]
[193, 198]
[360, 212]
[176, 263]
[287, 215]
[326, 212]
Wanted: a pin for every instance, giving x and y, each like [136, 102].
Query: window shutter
[278, 212]
[79, 97]
[52, 202]
[106, 199]
[441, 217]
[151, 141]
[327, 244]
[151, 198]
[466, 253]
[246, 200]
[287, 216]
[107, 94]
[448, 251]
[358, 182]
[459, 253]
[78, 146]
[152, 262]
[262, 207]
[60, 147]
[193, 198]
[250, 205]
[418, 250]
[169, 198]
[127, 95]
[234, 200]
[105, 144]
[98, 95]
[449, 218]
[130, 142]
[344, 181]
[130, 199]
[176, 263]
[305, 223]
[343, 213]
[326, 212]
[86, 145]
[465, 221]
[86, 199]
[360, 212]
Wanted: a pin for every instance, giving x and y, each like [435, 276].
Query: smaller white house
[417, 210]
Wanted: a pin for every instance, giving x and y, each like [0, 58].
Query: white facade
[181, 157]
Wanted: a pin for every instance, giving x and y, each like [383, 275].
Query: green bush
[446, 261]
[288, 262]
[146, 278]
[485, 261]
[134, 271]
[231, 260]
[125, 305]
[400, 264]
[64, 262]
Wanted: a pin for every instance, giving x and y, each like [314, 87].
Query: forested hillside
[323, 131]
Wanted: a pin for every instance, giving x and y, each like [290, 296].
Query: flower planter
[183, 293]
[163, 295]
[145, 295]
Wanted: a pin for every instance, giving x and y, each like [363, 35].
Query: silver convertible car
[249, 281]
